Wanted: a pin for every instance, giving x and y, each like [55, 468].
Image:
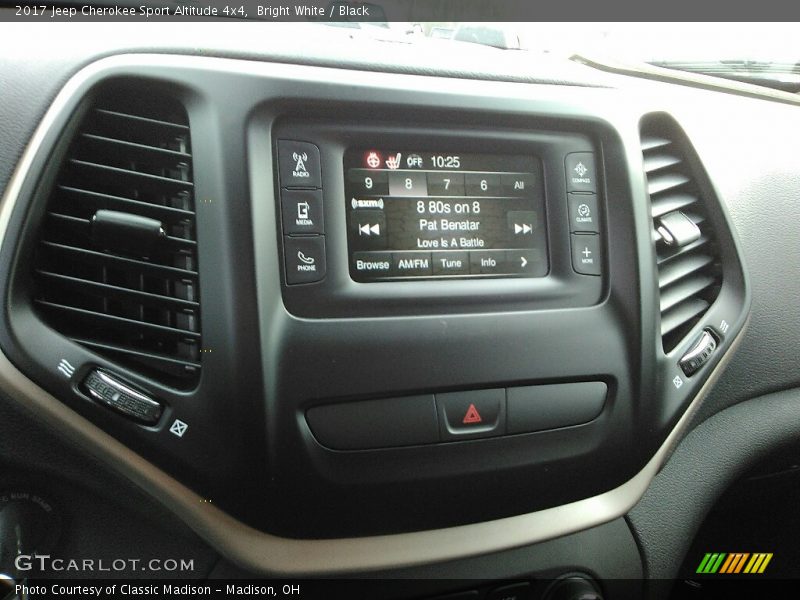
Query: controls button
[112, 392]
[583, 213]
[385, 423]
[482, 184]
[473, 414]
[517, 185]
[488, 262]
[407, 264]
[527, 261]
[305, 259]
[581, 172]
[302, 211]
[522, 223]
[586, 257]
[299, 164]
[368, 229]
[540, 407]
[408, 184]
[446, 184]
[368, 182]
[699, 353]
[514, 591]
[450, 263]
[372, 264]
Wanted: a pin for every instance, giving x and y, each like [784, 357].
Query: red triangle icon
[472, 416]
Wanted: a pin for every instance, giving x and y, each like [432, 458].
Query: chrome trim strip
[262, 552]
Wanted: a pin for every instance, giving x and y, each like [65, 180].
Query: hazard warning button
[472, 414]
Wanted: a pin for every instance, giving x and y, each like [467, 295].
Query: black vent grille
[139, 307]
[689, 275]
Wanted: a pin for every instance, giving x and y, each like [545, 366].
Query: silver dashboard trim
[262, 552]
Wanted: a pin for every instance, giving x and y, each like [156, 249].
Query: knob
[28, 525]
[573, 587]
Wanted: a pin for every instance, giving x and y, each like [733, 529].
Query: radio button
[488, 262]
[408, 264]
[480, 184]
[581, 172]
[372, 264]
[583, 215]
[302, 211]
[450, 263]
[299, 164]
[305, 259]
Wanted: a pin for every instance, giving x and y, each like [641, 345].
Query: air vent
[116, 265]
[687, 259]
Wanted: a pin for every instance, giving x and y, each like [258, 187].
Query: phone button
[305, 259]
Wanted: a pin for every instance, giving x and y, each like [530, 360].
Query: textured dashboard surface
[707, 462]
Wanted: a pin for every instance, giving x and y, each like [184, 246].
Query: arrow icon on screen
[368, 229]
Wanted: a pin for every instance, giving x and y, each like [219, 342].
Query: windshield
[761, 53]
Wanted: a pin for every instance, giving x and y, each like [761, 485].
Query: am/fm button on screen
[407, 264]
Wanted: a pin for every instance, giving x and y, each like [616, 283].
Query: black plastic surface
[375, 423]
[538, 407]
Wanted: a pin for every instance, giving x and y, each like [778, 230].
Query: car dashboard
[325, 315]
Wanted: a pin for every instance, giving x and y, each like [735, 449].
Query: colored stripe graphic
[734, 562]
[711, 562]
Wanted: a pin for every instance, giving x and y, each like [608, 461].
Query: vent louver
[689, 274]
[134, 303]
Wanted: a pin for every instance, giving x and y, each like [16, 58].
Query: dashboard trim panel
[263, 552]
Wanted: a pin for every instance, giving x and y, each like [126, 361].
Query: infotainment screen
[414, 214]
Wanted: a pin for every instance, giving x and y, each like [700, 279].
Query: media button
[446, 184]
[488, 262]
[372, 264]
[412, 264]
[302, 211]
[526, 262]
[450, 263]
[483, 184]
